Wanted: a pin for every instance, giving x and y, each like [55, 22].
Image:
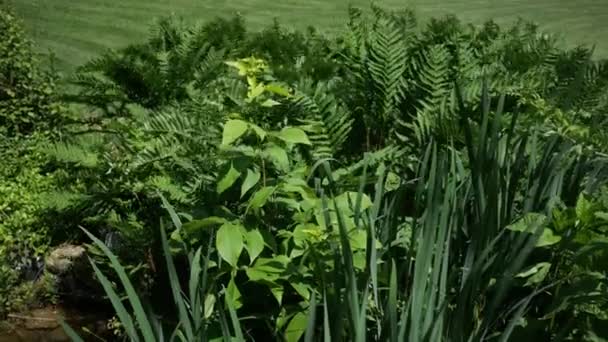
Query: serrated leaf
[252, 178]
[293, 135]
[254, 243]
[228, 180]
[233, 129]
[229, 243]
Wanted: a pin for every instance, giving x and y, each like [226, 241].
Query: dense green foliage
[28, 111]
[438, 182]
[25, 88]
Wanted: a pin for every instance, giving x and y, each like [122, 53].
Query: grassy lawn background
[76, 30]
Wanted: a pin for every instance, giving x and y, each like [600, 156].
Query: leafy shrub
[25, 232]
[567, 262]
[26, 90]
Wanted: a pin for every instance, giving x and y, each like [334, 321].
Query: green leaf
[278, 89]
[584, 209]
[602, 216]
[259, 199]
[359, 260]
[254, 243]
[229, 243]
[302, 289]
[278, 156]
[144, 324]
[231, 176]
[306, 232]
[529, 223]
[392, 182]
[259, 131]
[346, 202]
[233, 129]
[242, 67]
[209, 304]
[270, 103]
[277, 291]
[233, 294]
[547, 238]
[253, 177]
[535, 273]
[294, 135]
[268, 269]
[296, 327]
[256, 91]
[358, 239]
[196, 226]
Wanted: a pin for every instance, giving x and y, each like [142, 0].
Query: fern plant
[167, 68]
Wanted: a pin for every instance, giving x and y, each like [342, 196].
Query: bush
[25, 229]
[26, 90]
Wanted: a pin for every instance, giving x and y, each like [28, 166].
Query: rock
[73, 275]
[65, 258]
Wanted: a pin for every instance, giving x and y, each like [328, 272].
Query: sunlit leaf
[252, 178]
[548, 238]
[254, 244]
[233, 294]
[228, 180]
[210, 300]
[229, 243]
[233, 129]
[259, 199]
[296, 327]
[294, 135]
[278, 156]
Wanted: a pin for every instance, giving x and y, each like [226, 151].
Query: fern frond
[371, 160]
[431, 69]
[387, 62]
[330, 123]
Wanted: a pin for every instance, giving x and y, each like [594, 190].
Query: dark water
[42, 325]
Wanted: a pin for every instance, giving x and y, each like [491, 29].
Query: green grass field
[77, 30]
